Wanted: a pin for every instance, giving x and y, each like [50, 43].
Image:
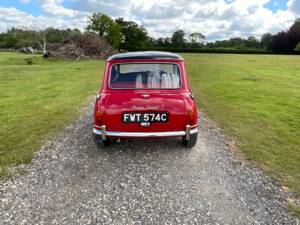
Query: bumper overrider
[101, 131]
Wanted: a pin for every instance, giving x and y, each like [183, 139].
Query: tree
[234, 42]
[42, 39]
[297, 49]
[294, 34]
[177, 38]
[99, 23]
[105, 27]
[7, 40]
[286, 41]
[114, 36]
[196, 37]
[252, 42]
[280, 43]
[265, 40]
[18, 38]
[133, 34]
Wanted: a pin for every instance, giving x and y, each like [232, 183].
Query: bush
[209, 50]
[297, 49]
[204, 50]
[28, 61]
[91, 43]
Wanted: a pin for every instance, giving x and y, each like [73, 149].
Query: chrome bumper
[101, 131]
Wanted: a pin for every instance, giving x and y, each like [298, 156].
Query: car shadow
[131, 146]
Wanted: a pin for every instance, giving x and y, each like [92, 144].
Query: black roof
[145, 55]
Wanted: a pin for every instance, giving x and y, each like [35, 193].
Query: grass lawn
[38, 100]
[256, 100]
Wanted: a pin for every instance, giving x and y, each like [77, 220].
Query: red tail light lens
[98, 113]
[192, 116]
[98, 116]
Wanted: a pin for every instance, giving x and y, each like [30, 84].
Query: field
[38, 100]
[255, 99]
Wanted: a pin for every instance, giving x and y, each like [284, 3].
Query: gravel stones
[70, 181]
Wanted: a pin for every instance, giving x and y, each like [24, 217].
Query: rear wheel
[190, 143]
[101, 143]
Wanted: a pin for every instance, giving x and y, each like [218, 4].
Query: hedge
[211, 50]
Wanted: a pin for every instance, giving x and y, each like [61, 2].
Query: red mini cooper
[145, 95]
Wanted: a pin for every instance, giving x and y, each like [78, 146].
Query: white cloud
[11, 17]
[55, 8]
[294, 6]
[217, 19]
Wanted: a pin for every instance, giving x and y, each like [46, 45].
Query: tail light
[98, 117]
[98, 113]
[192, 116]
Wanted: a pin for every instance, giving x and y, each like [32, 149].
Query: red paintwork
[178, 103]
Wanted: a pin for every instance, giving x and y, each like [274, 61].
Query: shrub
[28, 61]
[209, 50]
[297, 48]
[204, 50]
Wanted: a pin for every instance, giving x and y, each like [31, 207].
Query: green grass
[256, 100]
[37, 99]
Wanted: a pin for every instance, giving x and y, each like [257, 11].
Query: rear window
[145, 76]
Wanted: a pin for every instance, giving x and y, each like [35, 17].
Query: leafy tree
[280, 43]
[114, 36]
[18, 38]
[294, 34]
[133, 34]
[252, 42]
[105, 27]
[210, 45]
[99, 23]
[233, 42]
[7, 40]
[265, 40]
[160, 42]
[177, 38]
[297, 49]
[151, 42]
[286, 41]
[196, 37]
[60, 36]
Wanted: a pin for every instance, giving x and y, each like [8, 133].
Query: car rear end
[145, 98]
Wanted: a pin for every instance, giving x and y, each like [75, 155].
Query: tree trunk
[44, 43]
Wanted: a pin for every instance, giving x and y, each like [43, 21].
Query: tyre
[101, 143]
[190, 143]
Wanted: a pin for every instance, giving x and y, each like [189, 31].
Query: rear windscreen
[145, 76]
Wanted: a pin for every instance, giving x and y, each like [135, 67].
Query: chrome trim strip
[103, 132]
[188, 132]
[194, 131]
[144, 134]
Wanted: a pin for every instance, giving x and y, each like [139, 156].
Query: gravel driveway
[70, 181]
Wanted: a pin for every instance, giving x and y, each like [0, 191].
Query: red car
[145, 95]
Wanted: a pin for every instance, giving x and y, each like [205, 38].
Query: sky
[216, 19]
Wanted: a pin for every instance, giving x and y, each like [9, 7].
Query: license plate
[145, 117]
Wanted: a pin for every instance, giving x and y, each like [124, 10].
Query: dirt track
[140, 182]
